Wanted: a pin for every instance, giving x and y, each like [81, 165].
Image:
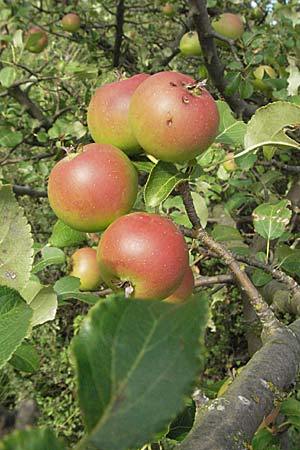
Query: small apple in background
[229, 25]
[260, 73]
[89, 190]
[146, 252]
[71, 22]
[107, 115]
[229, 164]
[173, 117]
[189, 44]
[36, 40]
[168, 10]
[185, 289]
[85, 267]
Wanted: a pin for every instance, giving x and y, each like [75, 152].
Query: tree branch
[119, 33]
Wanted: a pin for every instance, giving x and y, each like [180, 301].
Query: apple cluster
[167, 115]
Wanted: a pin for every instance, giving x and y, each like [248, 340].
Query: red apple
[184, 290]
[229, 25]
[107, 115]
[71, 22]
[168, 10]
[89, 190]
[35, 40]
[145, 251]
[173, 117]
[189, 44]
[85, 267]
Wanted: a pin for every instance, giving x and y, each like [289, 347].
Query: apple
[145, 252]
[184, 290]
[229, 25]
[107, 115]
[189, 44]
[89, 190]
[260, 73]
[168, 10]
[85, 267]
[71, 22]
[173, 117]
[229, 163]
[36, 40]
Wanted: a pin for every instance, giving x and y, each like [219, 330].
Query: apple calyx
[196, 88]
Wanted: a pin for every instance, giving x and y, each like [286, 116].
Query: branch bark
[119, 33]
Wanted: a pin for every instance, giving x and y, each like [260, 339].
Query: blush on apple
[173, 117]
[36, 40]
[91, 189]
[184, 290]
[85, 267]
[71, 22]
[145, 252]
[107, 115]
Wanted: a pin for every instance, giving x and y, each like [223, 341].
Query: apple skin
[146, 250]
[107, 115]
[170, 121]
[71, 22]
[229, 164]
[184, 290]
[40, 44]
[189, 44]
[89, 190]
[85, 267]
[229, 25]
[168, 10]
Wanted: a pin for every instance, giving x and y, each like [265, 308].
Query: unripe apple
[185, 288]
[229, 25]
[146, 252]
[89, 190]
[189, 44]
[35, 40]
[260, 73]
[168, 10]
[107, 115]
[71, 22]
[229, 164]
[173, 117]
[85, 267]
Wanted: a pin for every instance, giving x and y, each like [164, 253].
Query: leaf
[269, 124]
[42, 300]
[294, 76]
[67, 288]
[50, 256]
[288, 259]
[33, 439]
[201, 208]
[263, 440]
[231, 131]
[16, 252]
[290, 407]
[7, 76]
[15, 316]
[136, 362]
[163, 178]
[9, 137]
[270, 220]
[260, 278]
[64, 236]
[226, 233]
[25, 358]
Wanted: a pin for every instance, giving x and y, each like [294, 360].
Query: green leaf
[294, 77]
[201, 208]
[32, 439]
[269, 124]
[288, 259]
[260, 278]
[42, 300]
[290, 407]
[270, 220]
[143, 166]
[231, 131]
[136, 361]
[50, 256]
[25, 358]
[226, 233]
[15, 316]
[67, 288]
[263, 440]
[9, 137]
[64, 236]
[7, 76]
[16, 252]
[163, 178]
